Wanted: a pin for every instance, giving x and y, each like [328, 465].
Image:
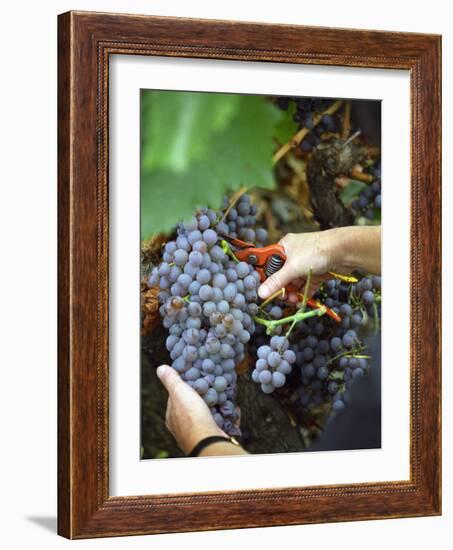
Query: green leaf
[162, 454]
[238, 156]
[178, 126]
[351, 191]
[286, 128]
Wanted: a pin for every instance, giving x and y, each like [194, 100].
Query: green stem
[349, 353]
[307, 286]
[376, 318]
[296, 318]
[304, 303]
[228, 250]
[293, 324]
[278, 294]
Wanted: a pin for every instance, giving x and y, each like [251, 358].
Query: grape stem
[278, 294]
[296, 318]
[236, 196]
[346, 121]
[351, 138]
[361, 176]
[300, 134]
[376, 318]
[307, 286]
[348, 353]
[228, 250]
[304, 302]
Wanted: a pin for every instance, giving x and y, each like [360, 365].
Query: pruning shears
[269, 259]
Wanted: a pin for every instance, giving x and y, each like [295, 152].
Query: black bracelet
[208, 440]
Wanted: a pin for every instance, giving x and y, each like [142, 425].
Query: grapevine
[210, 307]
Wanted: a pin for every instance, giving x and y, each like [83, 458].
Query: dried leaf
[150, 307]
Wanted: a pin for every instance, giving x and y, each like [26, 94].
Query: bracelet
[208, 440]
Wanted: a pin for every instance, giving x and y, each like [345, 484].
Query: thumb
[169, 377]
[276, 282]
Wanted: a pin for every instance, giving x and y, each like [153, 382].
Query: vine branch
[300, 134]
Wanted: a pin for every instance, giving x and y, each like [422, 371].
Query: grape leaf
[286, 128]
[178, 126]
[238, 156]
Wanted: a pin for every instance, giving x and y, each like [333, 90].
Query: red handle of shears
[261, 256]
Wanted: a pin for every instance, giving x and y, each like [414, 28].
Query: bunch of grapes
[369, 199]
[306, 108]
[273, 364]
[240, 220]
[323, 356]
[330, 355]
[207, 302]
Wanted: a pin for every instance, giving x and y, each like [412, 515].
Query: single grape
[203, 222]
[229, 292]
[190, 353]
[242, 269]
[210, 397]
[357, 373]
[192, 336]
[209, 237]
[220, 384]
[208, 365]
[205, 293]
[322, 373]
[261, 235]
[284, 367]
[203, 276]
[368, 297]
[278, 379]
[180, 257]
[261, 364]
[264, 351]
[338, 405]
[265, 377]
[275, 312]
[348, 340]
[274, 359]
[219, 281]
[217, 254]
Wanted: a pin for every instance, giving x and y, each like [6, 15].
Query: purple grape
[210, 237]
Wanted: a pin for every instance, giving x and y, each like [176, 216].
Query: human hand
[341, 250]
[303, 251]
[187, 416]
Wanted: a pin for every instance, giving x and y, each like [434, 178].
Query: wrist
[216, 445]
[196, 435]
[332, 245]
[341, 248]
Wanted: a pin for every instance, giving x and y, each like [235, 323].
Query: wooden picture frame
[85, 42]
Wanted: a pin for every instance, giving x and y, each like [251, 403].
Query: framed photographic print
[256, 207]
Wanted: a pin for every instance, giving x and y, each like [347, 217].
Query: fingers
[168, 416]
[169, 377]
[276, 282]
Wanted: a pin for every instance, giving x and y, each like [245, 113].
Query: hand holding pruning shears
[328, 254]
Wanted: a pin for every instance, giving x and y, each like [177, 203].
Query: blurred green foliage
[197, 146]
[351, 191]
[286, 127]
